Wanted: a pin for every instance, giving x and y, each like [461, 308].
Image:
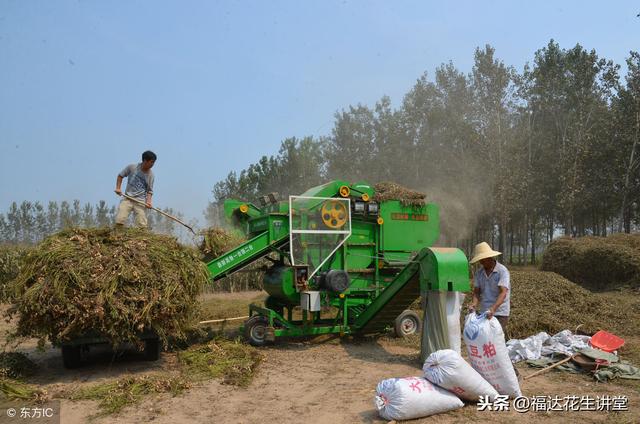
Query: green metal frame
[382, 259]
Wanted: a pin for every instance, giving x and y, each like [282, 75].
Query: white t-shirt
[490, 288]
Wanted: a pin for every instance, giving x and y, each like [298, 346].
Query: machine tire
[407, 323]
[255, 329]
[71, 356]
[151, 350]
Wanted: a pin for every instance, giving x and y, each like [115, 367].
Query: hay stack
[545, 301]
[597, 263]
[10, 261]
[110, 283]
[392, 191]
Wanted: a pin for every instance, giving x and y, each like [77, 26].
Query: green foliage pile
[113, 396]
[392, 191]
[545, 301]
[109, 283]
[233, 361]
[217, 241]
[10, 261]
[16, 365]
[598, 263]
[16, 390]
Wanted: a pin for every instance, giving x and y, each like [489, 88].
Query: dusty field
[315, 381]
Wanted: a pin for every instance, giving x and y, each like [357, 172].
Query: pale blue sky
[210, 86]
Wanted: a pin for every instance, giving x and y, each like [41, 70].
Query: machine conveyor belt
[397, 297]
[243, 255]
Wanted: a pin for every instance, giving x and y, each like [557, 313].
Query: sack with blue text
[488, 353]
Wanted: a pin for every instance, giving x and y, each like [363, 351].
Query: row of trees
[514, 158]
[30, 222]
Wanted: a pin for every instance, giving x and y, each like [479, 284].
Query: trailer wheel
[152, 349]
[71, 356]
[407, 323]
[255, 329]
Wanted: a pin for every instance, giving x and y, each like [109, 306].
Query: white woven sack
[447, 369]
[454, 301]
[412, 397]
[488, 353]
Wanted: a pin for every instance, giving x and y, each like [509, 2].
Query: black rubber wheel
[71, 356]
[407, 323]
[152, 349]
[255, 329]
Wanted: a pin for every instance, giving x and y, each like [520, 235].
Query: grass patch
[228, 306]
[16, 390]
[231, 360]
[114, 396]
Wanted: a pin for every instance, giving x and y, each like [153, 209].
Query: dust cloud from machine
[460, 209]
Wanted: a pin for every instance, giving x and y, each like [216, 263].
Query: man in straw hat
[492, 285]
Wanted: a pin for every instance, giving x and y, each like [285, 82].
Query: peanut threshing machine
[340, 262]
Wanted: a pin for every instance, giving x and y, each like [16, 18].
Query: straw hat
[483, 251]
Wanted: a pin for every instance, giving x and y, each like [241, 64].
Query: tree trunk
[533, 242]
[511, 247]
[625, 215]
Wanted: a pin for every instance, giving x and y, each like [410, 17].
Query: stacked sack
[448, 378]
[412, 397]
[488, 353]
[447, 369]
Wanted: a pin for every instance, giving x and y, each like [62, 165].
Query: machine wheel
[255, 329]
[71, 356]
[407, 323]
[151, 349]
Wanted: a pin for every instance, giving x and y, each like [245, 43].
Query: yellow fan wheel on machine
[334, 214]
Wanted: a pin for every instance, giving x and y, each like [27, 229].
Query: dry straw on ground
[110, 283]
[545, 301]
[598, 263]
[233, 361]
[113, 396]
[392, 191]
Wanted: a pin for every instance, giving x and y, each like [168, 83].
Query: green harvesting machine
[342, 259]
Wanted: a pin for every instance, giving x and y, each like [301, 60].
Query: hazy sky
[210, 86]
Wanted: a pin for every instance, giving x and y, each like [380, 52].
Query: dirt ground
[312, 381]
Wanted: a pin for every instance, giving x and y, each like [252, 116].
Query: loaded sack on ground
[113, 284]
